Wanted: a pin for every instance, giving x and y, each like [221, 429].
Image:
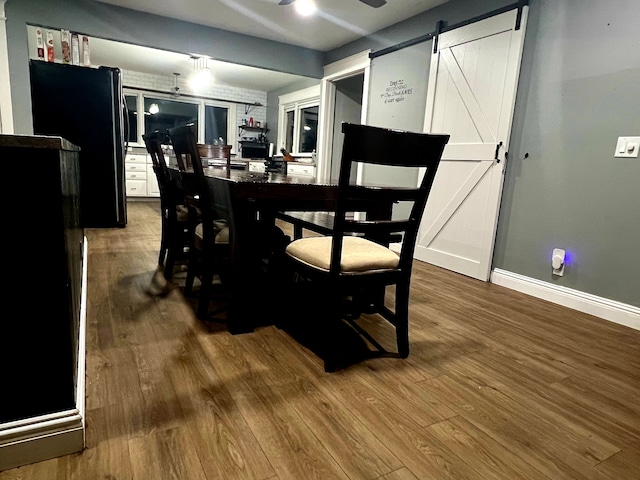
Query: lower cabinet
[153, 190]
[257, 166]
[42, 348]
[301, 169]
[309, 169]
[141, 180]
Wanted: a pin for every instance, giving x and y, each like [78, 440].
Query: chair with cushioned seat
[353, 265]
[210, 243]
[174, 239]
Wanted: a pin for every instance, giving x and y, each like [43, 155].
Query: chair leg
[205, 296]
[174, 242]
[192, 257]
[192, 267]
[163, 239]
[171, 262]
[402, 320]
[206, 288]
[334, 310]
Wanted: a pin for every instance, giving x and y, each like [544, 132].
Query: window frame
[295, 102]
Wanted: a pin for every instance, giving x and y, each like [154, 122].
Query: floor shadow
[309, 320]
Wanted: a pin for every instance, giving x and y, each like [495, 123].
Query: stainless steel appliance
[86, 107]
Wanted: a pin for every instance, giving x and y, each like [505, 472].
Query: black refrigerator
[86, 107]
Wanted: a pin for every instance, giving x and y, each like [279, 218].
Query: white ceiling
[336, 23]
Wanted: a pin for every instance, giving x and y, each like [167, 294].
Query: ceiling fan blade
[374, 3]
[286, 2]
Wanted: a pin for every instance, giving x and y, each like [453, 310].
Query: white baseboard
[39, 438]
[616, 312]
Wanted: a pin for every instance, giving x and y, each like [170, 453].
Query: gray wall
[451, 12]
[578, 91]
[110, 22]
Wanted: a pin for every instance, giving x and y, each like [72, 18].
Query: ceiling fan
[371, 3]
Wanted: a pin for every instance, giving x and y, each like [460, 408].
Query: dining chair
[174, 237]
[219, 154]
[209, 249]
[353, 265]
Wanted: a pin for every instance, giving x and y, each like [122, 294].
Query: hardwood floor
[498, 385]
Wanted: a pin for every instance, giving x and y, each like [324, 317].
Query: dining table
[252, 200]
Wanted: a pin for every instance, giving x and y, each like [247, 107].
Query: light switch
[627, 147]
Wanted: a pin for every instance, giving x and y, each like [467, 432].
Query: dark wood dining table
[252, 200]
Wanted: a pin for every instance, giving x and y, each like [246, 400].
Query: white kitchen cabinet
[135, 167]
[141, 180]
[153, 190]
[301, 169]
[256, 166]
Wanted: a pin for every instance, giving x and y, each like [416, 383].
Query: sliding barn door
[470, 95]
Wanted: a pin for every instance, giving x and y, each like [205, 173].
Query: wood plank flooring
[498, 385]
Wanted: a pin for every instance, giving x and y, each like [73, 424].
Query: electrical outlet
[557, 261]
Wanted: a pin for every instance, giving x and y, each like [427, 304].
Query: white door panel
[469, 152]
[471, 95]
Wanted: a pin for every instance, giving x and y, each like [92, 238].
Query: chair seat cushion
[182, 213]
[358, 254]
[221, 229]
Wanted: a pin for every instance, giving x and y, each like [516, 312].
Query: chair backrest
[393, 148]
[185, 147]
[154, 141]
[170, 192]
[216, 152]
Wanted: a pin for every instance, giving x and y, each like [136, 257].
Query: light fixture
[153, 108]
[176, 87]
[202, 76]
[307, 128]
[305, 7]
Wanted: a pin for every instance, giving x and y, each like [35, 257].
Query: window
[131, 124]
[216, 124]
[162, 114]
[298, 121]
[146, 113]
[308, 129]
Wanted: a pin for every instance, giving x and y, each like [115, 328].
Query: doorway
[343, 97]
[347, 108]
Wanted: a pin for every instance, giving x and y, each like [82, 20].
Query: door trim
[344, 68]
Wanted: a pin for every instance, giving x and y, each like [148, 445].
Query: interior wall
[452, 12]
[578, 91]
[6, 113]
[397, 99]
[111, 22]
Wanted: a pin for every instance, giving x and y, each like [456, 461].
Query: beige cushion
[182, 213]
[358, 254]
[222, 233]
